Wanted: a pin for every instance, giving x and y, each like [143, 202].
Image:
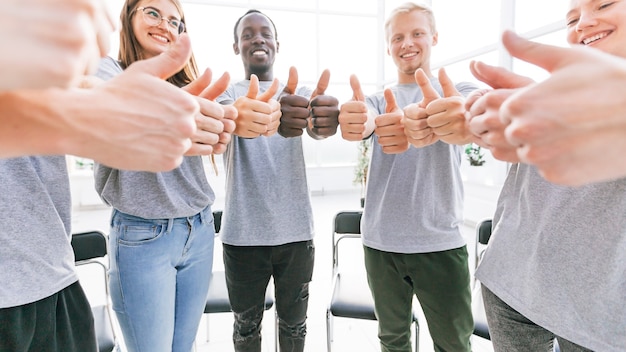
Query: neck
[267, 75]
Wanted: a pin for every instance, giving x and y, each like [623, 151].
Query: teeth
[160, 38]
[408, 55]
[589, 40]
[258, 52]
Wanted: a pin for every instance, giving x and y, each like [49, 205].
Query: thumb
[199, 84]
[392, 105]
[218, 87]
[545, 56]
[429, 93]
[270, 92]
[292, 81]
[253, 89]
[357, 94]
[322, 84]
[448, 87]
[498, 77]
[169, 62]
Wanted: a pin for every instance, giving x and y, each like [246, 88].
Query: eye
[419, 34]
[153, 14]
[571, 22]
[268, 35]
[605, 5]
[174, 23]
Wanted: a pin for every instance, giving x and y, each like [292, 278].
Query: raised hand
[63, 41]
[257, 114]
[324, 109]
[415, 120]
[572, 126]
[446, 115]
[483, 109]
[389, 128]
[215, 122]
[294, 108]
[354, 116]
[138, 121]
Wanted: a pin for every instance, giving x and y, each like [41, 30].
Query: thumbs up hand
[257, 114]
[446, 115]
[389, 127]
[150, 125]
[415, 120]
[324, 110]
[355, 120]
[294, 108]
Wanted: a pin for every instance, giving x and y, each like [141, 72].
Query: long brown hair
[130, 50]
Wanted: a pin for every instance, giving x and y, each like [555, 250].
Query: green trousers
[441, 283]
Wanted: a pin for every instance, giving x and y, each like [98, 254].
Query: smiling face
[154, 40]
[410, 39]
[257, 45]
[598, 24]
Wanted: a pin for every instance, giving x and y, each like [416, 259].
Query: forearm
[33, 123]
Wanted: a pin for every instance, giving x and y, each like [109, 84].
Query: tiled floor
[350, 335]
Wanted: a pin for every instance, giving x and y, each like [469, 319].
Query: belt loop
[170, 224]
[203, 215]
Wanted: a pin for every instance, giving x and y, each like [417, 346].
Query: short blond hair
[409, 7]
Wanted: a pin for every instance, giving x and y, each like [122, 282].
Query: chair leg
[417, 336]
[329, 337]
[276, 330]
[207, 327]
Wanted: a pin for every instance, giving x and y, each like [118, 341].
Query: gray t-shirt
[558, 256]
[182, 192]
[36, 258]
[414, 200]
[267, 195]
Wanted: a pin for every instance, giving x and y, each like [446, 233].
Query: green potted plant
[474, 154]
[362, 166]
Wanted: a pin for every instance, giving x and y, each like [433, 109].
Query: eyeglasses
[154, 18]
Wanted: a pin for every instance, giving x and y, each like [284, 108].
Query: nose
[407, 43]
[163, 24]
[258, 38]
[587, 19]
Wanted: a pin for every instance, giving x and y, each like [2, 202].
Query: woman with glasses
[162, 232]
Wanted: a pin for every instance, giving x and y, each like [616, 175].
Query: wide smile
[409, 56]
[259, 53]
[592, 39]
[160, 38]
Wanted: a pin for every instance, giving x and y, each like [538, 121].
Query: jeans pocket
[136, 234]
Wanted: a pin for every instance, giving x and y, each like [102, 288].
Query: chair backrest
[483, 234]
[217, 220]
[347, 225]
[89, 245]
[88, 248]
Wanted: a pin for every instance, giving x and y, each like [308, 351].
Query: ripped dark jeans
[248, 270]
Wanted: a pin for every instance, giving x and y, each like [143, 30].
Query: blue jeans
[512, 332]
[248, 271]
[159, 278]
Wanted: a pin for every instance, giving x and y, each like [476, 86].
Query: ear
[435, 38]
[236, 48]
[277, 46]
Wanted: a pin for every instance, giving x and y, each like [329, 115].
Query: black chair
[351, 297]
[483, 233]
[90, 248]
[217, 298]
